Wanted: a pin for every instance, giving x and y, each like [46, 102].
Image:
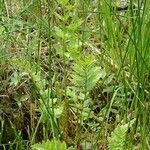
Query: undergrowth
[74, 74]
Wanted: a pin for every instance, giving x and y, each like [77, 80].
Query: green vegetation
[74, 74]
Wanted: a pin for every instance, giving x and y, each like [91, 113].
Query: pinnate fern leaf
[86, 74]
[118, 136]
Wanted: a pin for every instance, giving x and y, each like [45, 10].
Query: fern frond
[118, 136]
[86, 74]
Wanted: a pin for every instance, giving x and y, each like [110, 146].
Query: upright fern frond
[86, 74]
[118, 136]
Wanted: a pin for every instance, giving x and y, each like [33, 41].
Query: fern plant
[118, 136]
[86, 74]
[46, 108]
[84, 77]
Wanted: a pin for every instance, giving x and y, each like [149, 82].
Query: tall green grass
[128, 48]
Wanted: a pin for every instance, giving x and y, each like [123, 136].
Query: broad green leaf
[50, 145]
[59, 32]
[2, 29]
[15, 79]
[63, 2]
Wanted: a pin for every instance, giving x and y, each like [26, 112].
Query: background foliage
[74, 74]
